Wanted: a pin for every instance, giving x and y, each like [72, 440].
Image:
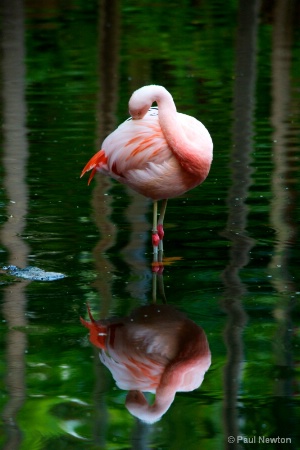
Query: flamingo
[158, 152]
[155, 349]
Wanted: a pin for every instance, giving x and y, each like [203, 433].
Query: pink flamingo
[160, 153]
[155, 349]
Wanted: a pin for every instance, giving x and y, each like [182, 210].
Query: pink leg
[155, 241]
[155, 236]
[160, 228]
[160, 231]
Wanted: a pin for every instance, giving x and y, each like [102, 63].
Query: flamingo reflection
[155, 349]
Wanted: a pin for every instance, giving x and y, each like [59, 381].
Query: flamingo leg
[155, 236]
[158, 281]
[160, 228]
[161, 288]
[154, 287]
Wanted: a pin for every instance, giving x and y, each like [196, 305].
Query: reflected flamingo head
[154, 349]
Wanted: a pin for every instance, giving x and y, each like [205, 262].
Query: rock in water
[33, 273]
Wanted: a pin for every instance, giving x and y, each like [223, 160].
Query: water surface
[231, 247]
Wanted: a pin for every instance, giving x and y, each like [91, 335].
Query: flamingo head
[139, 104]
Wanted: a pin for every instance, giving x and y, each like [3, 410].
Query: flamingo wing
[134, 144]
[131, 146]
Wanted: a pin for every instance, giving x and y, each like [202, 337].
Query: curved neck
[191, 155]
[138, 406]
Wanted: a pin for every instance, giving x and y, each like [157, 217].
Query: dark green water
[231, 247]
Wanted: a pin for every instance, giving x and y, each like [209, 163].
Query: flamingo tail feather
[94, 164]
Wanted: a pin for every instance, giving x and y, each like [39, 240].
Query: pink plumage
[159, 152]
[155, 349]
